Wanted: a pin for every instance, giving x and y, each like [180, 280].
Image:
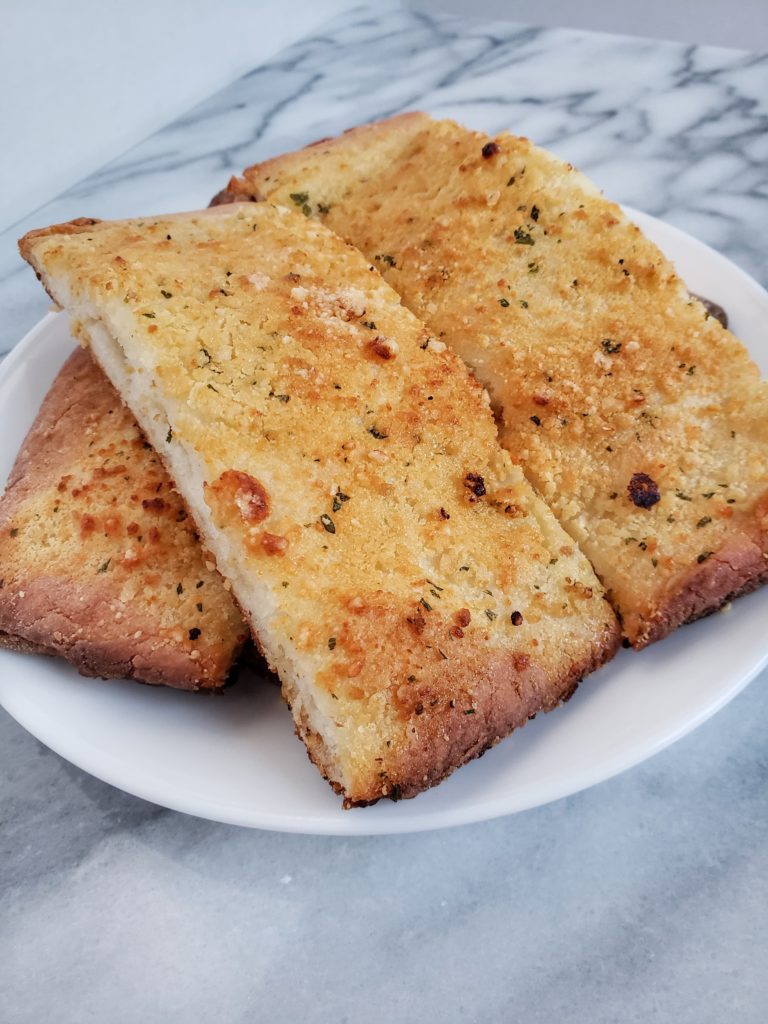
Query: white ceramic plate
[235, 758]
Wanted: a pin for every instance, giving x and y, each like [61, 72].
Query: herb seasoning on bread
[417, 598]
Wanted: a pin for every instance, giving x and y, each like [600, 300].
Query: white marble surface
[642, 899]
[84, 81]
[741, 24]
[681, 132]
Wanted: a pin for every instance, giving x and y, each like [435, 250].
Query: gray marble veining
[642, 899]
[681, 132]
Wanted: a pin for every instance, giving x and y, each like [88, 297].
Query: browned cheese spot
[380, 348]
[246, 493]
[463, 617]
[273, 544]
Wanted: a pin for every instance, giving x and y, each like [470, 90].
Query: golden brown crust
[639, 418]
[95, 644]
[82, 225]
[65, 228]
[416, 596]
[737, 568]
[12, 642]
[97, 561]
[449, 693]
[504, 700]
[451, 702]
[258, 183]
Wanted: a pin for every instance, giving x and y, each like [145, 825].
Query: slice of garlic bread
[99, 563]
[642, 421]
[415, 596]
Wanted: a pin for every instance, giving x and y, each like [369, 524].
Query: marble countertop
[641, 899]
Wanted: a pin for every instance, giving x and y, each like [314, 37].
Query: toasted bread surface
[417, 598]
[99, 562]
[641, 420]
